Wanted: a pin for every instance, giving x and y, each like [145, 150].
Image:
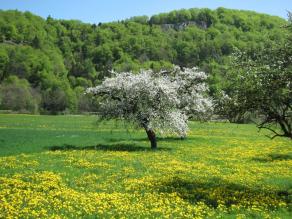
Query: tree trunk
[152, 138]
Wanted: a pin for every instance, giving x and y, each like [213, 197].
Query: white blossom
[160, 101]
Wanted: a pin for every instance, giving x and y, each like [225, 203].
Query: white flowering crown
[160, 101]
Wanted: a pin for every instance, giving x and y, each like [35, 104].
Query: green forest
[46, 64]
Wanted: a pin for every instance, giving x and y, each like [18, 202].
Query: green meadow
[72, 167]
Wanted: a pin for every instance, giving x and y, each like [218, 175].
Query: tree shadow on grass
[159, 139]
[165, 139]
[168, 139]
[273, 157]
[103, 147]
[215, 192]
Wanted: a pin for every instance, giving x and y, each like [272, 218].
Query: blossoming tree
[261, 83]
[160, 101]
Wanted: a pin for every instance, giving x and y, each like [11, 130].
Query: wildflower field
[70, 167]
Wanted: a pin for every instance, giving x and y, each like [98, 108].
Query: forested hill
[45, 65]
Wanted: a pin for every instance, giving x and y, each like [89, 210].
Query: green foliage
[48, 53]
[54, 100]
[139, 19]
[260, 83]
[4, 59]
[84, 102]
[17, 95]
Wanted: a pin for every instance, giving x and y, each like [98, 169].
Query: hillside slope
[48, 63]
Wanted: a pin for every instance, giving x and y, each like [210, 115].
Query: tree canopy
[67, 56]
[261, 83]
[160, 101]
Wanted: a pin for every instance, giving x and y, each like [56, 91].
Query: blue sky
[94, 11]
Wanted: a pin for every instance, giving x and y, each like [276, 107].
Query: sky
[95, 11]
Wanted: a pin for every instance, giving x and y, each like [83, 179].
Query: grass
[70, 167]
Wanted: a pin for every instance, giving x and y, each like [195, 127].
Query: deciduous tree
[160, 101]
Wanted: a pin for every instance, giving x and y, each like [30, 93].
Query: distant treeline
[45, 65]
